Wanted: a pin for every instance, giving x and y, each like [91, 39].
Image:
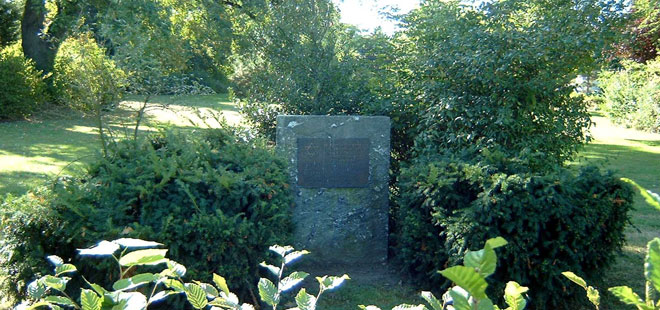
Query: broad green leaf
[626, 295]
[513, 295]
[133, 282]
[176, 269]
[273, 269]
[460, 299]
[652, 263]
[136, 243]
[129, 301]
[291, 257]
[103, 248]
[211, 292]
[143, 257]
[247, 307]
[645, 193]
[60, 300]
[292, 280]
[305, 301]
[495, 243]
[484, 261]
[162, 295]
[485, 304]
[593, 295]
[268, 292]
[55, 260]
[409, 307]
[174, 284]
[225, 300]
[64, 268]
[575, 278]
[434, 302]
[331, 282]
[221, 283]
[56, 283]
[281, 250]
[39, 304]
[468, 279]
[36, 289]
[89, 300]
[196, 296]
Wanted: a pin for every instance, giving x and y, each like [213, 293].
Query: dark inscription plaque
[333, 162]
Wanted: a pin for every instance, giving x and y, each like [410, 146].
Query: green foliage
[299, 59]
[23, 88]
[552, 221]
[84, 77]
[470, 290]
[215, 198]
[625, 294]
[500, 75]
[9, 21]
[132, 293]
[30, 224]
[631, 95]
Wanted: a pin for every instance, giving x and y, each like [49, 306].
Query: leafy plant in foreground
[651, 269]
[624, 293]
[136, 291]
[271, 295]
[470, 290]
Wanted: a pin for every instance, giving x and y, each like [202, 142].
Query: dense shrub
[631, 95]
[23, 89]
[30, 224]
[84, 77]
[216, 200]
[554, 222]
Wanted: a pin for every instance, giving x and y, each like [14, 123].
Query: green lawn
[34, 152]
[635, 155]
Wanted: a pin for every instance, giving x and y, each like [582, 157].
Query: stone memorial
[339, 171]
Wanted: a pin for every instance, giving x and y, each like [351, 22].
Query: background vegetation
[482, 97]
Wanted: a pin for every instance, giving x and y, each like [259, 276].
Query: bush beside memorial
[215, 199]
[556, 221]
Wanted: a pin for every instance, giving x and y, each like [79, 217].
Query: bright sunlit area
[370, 14]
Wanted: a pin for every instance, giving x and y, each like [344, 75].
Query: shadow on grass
[647, 142]
[642, 164]
[634, 163]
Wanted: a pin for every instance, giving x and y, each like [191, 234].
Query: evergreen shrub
[217, 200]
[23, 88]
[557, 221]
[84, 78]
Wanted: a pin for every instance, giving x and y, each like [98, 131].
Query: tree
[293, 61]
[499, 76]
[9, 17]
[43, 28]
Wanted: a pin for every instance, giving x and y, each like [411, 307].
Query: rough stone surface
[339, 224]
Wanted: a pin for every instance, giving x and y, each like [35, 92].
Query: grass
[635, 155]
[34, 152]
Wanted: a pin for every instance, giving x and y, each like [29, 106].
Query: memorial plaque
[339, 177]
[333, 163]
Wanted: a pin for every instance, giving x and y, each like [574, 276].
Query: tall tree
[44, 26]
[9, 17]
[499, 75]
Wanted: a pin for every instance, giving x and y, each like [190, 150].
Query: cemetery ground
[59, 143]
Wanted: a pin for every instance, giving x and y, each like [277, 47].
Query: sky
[365, 13]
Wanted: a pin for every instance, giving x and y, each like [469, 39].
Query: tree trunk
[36, 44]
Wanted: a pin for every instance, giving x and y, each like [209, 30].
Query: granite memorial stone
[339, 170]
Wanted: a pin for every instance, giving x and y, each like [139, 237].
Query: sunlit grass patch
[60, 142]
